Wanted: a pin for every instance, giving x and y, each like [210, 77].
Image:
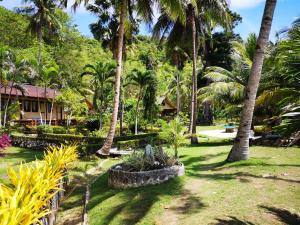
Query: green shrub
[127, 145]
[59, 130]
[138, 161]
[43, 129]
[259, 130]
[29, 129]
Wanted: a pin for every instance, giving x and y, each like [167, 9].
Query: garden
[190, 122]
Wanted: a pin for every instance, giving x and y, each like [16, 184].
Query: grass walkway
[262, 190]
[13, 156]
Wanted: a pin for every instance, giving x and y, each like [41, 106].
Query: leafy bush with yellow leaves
[25, 201]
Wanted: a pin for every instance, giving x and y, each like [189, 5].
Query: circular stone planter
[118, 178]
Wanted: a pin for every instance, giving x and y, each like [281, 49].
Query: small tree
[174, 134]
[73, 104]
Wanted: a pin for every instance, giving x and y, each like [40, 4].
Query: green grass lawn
[262, 190]
[13, 156]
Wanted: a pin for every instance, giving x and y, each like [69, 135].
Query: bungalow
[168, 109]
[35, 104]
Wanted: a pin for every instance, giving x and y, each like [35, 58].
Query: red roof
[31, 91]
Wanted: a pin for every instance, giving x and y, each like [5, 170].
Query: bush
[59, 130]
[43, 129]
[140, 161]
[4, 141]
[33, 186]
[127, 145]
[29, 129]
[260, 130]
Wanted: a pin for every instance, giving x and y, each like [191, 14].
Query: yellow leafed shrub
[25, 201]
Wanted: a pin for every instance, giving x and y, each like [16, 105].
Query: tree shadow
[283, 215]
[190, 204]
[242, 176]
[25, 155]
[212, 143]
[130, 204]
[233, 221]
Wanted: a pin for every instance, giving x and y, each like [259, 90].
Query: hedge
[86, 144]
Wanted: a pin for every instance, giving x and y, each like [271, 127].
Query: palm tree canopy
[42, 15]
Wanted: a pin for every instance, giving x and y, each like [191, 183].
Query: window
[27, 105]
[49, 107]
[34, 106]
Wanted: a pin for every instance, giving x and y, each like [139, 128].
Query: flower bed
[119, 178]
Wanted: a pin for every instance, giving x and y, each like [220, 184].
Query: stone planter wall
[118, 178]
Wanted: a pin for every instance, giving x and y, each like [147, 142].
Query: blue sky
[250, 10]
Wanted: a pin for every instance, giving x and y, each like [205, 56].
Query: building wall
[57, 113]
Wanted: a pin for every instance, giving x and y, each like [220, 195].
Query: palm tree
[48, 77]
[42, 16]
[101, 73]
[226, 86]
[142, 80]
[4, 67]
[186, 35]
[121, 7]
[240, 149]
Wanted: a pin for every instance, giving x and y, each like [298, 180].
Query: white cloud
[244, 4]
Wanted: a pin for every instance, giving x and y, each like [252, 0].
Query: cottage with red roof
[35, 103]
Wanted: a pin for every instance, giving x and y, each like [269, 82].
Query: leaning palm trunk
[193, 116]
[110, 136]
[240, 149]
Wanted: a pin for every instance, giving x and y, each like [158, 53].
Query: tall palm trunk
[137, 112]
[240, 149]
[193, 116]
[109, 139]
[40, 46]
[177, 91]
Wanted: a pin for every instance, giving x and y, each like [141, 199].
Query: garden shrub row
[86, 144]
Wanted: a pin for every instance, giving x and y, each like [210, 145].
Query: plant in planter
[173, 133]
[150, 159]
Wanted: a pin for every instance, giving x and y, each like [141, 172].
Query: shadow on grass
[25, 155]
[283, 215]
[212, 143]
[233, 221]
[242, 176]
[131, 205]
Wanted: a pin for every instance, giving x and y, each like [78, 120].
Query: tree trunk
[193, 116]
[6, 105]
[240, 149]
[121, 111]
[52, 104]
[109, 139]
[137, 112]
[177, 91]
[40, 46]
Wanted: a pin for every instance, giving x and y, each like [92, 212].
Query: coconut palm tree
[122, 7]
[240, 149]
[141, 80]
[187, 33]
[42, 16]
[101, 74]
